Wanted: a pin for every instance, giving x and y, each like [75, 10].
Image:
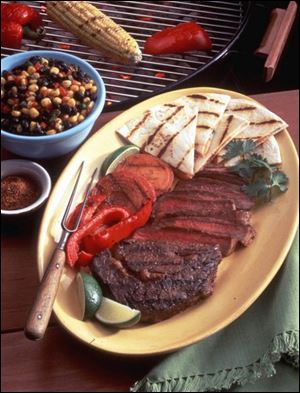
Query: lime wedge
[116, 157]
[89, 293]
[116, 314]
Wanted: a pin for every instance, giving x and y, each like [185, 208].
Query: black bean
[73, 111]
[35, 59]
[43, 69]
[28, 64]
[82, 106]
[6, 74]
[67, 125]
[66, 109]
[9, 84]
[43, 82]
[5, 124]
[25, 124]
[22, 88]
[78, 95]
[93, 96]
[23, 104]
[17, 70]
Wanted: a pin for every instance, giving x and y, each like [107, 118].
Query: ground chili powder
[18, 192]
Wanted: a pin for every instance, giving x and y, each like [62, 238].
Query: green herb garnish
[264, 180]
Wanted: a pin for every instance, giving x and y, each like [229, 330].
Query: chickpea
[57, 100]
[75, 88]
[66, 83]
[2, 93]
[43, 89]
[73, 119]
[10, 78]
[51, 132]
[70, 93]
[54, 70]
[45, 102]
[72, 102]
[33, 88]
[16, 113]
[45, 61]
[87, 100]
[94, 89]
[32, 125]
[23, 82]
[34, 113]
[88, 86]
[14, 90]
[82, 89]
[55, 93]
[90, 106]
[3, 81]
[31, 70]
[81, 118]
[25, 111]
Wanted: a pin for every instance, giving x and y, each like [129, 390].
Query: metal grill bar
[221, 19]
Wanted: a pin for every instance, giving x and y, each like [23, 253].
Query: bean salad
[45, 97]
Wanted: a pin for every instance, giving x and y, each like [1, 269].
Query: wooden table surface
[59, 362]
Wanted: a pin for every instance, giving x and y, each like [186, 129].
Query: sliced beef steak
[159, 278]
[227, 244]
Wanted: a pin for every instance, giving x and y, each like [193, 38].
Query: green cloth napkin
[262, 343]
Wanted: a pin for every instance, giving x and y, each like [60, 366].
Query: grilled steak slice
[243, 233]
[179, 206]
[158, 278]
[198, 181]
[241, 201]
[222, 174]
[227, 244]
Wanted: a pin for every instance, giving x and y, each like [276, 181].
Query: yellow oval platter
[241, 278]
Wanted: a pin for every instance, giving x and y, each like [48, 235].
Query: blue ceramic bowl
[49, 146]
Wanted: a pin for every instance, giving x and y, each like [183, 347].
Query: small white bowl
[34, 170]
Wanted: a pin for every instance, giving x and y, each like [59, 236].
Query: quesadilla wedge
[228, 128]
[269, 150]
[140, 129]
[174, 140]
[262, 122]
[210, 109]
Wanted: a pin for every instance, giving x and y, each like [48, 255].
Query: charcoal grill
[223, 20]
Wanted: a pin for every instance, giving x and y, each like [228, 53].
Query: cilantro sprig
[264, 181]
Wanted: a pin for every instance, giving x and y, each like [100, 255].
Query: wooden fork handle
[40, 312]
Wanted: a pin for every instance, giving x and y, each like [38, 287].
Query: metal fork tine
[72, 195]
[87, 193]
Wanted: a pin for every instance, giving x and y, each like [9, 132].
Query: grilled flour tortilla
[262, 122]
[210, 109]
[228, 128]
[269, 150]
[168, 132]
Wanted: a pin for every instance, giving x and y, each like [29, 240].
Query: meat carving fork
[40, 312]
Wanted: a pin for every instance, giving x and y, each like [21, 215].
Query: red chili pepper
[18, 20]
[5, 108]
[179, 39]
[123, 229]
[63, 91]
[105, 217]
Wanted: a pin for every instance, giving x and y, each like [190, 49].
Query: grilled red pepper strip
[84, 258]
[114, 234]
[179, 39]
[105, 217]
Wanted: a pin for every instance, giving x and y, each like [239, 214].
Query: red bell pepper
[182, 38]
[123, 229]
[107, 216]
[84, 258]
[18, 20]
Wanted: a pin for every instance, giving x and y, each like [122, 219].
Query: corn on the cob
[95, 29]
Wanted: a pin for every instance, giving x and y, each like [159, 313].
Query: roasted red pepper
[112, 235]
[18, 20]
[106, 216]
[182, 38]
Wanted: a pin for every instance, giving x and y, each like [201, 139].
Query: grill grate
[223, 20]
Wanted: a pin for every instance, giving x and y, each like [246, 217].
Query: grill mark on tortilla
[201, 97]
[139, 124]
[163, 150]
[272, 121]
[151, 137]
[170, 105]
[209, 113]
[114, 180]
[203, 126]
[242, 108]
[181, 161]
[230, 118]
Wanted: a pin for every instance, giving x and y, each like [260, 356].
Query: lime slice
[116, 314]
[116, 157]
[89, 293]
